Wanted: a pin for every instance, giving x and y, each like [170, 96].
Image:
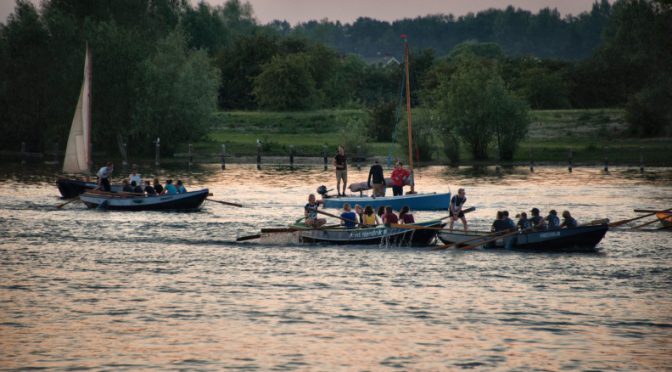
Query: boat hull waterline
[187, 201]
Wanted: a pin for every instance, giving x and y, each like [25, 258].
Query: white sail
[78, 152]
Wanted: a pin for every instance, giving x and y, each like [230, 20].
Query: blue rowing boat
[417, 202]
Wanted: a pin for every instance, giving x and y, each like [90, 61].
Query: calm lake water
[85, 289]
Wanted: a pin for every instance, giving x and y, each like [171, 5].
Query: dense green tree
[286, 83]
[384, 118]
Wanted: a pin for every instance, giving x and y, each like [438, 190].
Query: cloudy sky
[295, 11]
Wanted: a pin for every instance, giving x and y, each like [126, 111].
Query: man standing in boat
[455, 209]
[341, 166]
[310, 212]
[376, 179]
[399, 177]
[104, 177]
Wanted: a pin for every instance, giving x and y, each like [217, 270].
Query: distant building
[382, 61]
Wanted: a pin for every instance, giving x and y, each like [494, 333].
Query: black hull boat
[124, 202]
[369, 235]
[583, 238]
[70, 188]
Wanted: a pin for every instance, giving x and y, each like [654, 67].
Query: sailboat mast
[408, 114]
[87, 108]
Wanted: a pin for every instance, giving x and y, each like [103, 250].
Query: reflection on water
[88, 289]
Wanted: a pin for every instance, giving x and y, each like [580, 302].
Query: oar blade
[248, 237]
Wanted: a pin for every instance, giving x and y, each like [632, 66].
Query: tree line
[161, 67]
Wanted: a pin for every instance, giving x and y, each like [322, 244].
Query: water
[86, 289]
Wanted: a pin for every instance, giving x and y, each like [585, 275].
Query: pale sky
[347, 11]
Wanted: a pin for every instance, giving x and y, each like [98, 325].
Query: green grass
[551, 134]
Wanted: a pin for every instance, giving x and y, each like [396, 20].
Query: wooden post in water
[291, 156]
[359, 158]
[531, 161]
[258, 154]
[606, 160]
[570, 160]
[324, 154]
[223, 157]
[157, 155]
[641, 159]
[23, 153]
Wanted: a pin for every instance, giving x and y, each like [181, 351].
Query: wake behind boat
[582, 238]
[132, 202]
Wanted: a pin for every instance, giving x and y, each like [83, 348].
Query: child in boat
[405, 215]
[389, 216]
[349, 218]
[310, 212]
[568, 221]
[369, 218]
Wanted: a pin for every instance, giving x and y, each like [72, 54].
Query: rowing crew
[536, 222]
[155, 188]
[364, 217]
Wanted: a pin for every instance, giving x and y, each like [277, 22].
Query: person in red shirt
[389, 216]
[399, 176]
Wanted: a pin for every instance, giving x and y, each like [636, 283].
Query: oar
[623, 222]
[417, 227]
[647, 211]
[225, 202]
[335, 216]
[480, 237]
[491, 240]
[59, 206]
[464, 211]
[644, 224]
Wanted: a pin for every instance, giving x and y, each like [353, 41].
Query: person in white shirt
[104, 177]
[134, 176]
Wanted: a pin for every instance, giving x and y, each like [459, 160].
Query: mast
[87, 108]
[408, 114]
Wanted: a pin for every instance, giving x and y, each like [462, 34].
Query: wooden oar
[335, 216]
[649, 211]
[225, 202]
[471, 209]
[59, 206]
[623, 222]
[642, 225]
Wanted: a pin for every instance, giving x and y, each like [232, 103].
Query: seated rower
[149, 190]
[537, 222]
[523, 222]
[360, 211]
[137, 188]
[180, 187]
[510, 225]
[381, 211]
[349, 218]
[568, 221]
[389, 217]
[553, 220]
[310, 212]
[157, 187]
[125, 187]
[369, 218]
[405, 215]
[500, 224]
[170, 189]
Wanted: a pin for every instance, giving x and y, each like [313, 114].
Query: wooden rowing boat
[582, 238]
[125, 202]
[369, 235]
[665, 218]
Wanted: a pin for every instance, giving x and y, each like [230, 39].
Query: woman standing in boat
[310, 212]
[341, 166]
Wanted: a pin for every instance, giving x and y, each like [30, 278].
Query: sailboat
[415, 201]
[78, 151]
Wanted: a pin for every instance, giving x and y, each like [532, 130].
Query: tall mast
[408, 114]
[89, 78]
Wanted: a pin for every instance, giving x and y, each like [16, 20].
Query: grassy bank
[552, 133]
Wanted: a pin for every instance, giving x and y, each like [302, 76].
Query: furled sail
[78, 151]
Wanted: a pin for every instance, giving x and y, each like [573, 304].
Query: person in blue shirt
[180, 187]
[170, 188]
[568, 221]
[349, 218]
[553, 220]
[537, 222]
[510, 225]
[523, 222]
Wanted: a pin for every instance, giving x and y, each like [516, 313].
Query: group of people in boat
[357, 216]
[376, 179]
[504, 223]
[135, 184]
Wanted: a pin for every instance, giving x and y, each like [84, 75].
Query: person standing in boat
[568, 221]
[341, 166]
[537, 222]
[349, 218]
[134, 176]
[310, 212]
[455, 209]
[104, 177]
[553, 220]
[376, 179]
[399, 177]
[389, 216]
